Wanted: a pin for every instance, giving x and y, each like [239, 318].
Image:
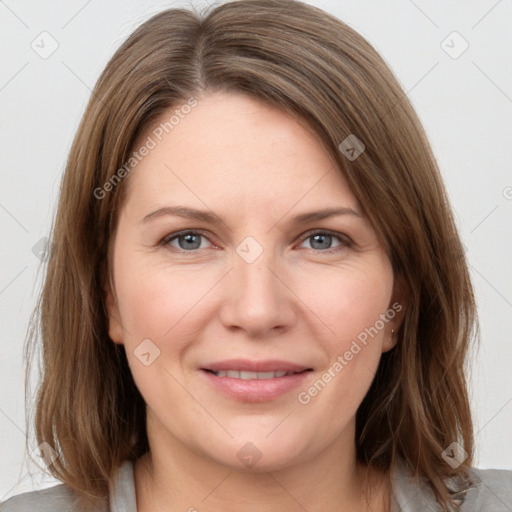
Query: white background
[464, 103]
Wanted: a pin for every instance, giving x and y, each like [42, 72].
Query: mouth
[255, 381]
[244, 375]
[248, 366]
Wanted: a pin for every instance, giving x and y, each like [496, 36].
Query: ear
[395, 312]
[115, 329]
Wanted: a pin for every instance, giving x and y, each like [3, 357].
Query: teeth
[251, 375]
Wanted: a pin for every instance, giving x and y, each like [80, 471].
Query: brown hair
[313, 66]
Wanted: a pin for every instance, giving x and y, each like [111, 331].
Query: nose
[258, 300]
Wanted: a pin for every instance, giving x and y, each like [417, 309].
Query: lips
[234, 374]
[246, 365]
[255, 381]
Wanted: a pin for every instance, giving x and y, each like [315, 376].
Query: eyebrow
[209, 216]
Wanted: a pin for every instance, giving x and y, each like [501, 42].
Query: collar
[408, 493]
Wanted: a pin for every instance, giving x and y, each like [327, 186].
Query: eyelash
[343, 239]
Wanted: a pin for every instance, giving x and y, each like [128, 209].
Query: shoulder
[54, 499]
[61, 498]
[491, 489]
[484, 490]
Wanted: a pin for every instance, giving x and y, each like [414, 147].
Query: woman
[256, 297]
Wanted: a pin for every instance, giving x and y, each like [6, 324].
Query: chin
[257, 454]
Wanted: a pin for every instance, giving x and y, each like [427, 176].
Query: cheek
[166, 307]
[352, 302]
[348, 300]
[157, 302]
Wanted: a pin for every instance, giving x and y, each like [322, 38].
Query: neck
[173, 477]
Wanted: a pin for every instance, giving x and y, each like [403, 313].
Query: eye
[321, 241]
[186, 240]
[325, 241]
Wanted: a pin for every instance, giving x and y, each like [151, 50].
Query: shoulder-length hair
[309, 64]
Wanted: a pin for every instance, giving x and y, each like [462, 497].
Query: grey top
[491, 492]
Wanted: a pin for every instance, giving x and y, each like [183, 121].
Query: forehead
[231, 147]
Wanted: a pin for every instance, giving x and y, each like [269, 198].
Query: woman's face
[226, 259]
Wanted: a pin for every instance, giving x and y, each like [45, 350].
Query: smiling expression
[240, 248]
